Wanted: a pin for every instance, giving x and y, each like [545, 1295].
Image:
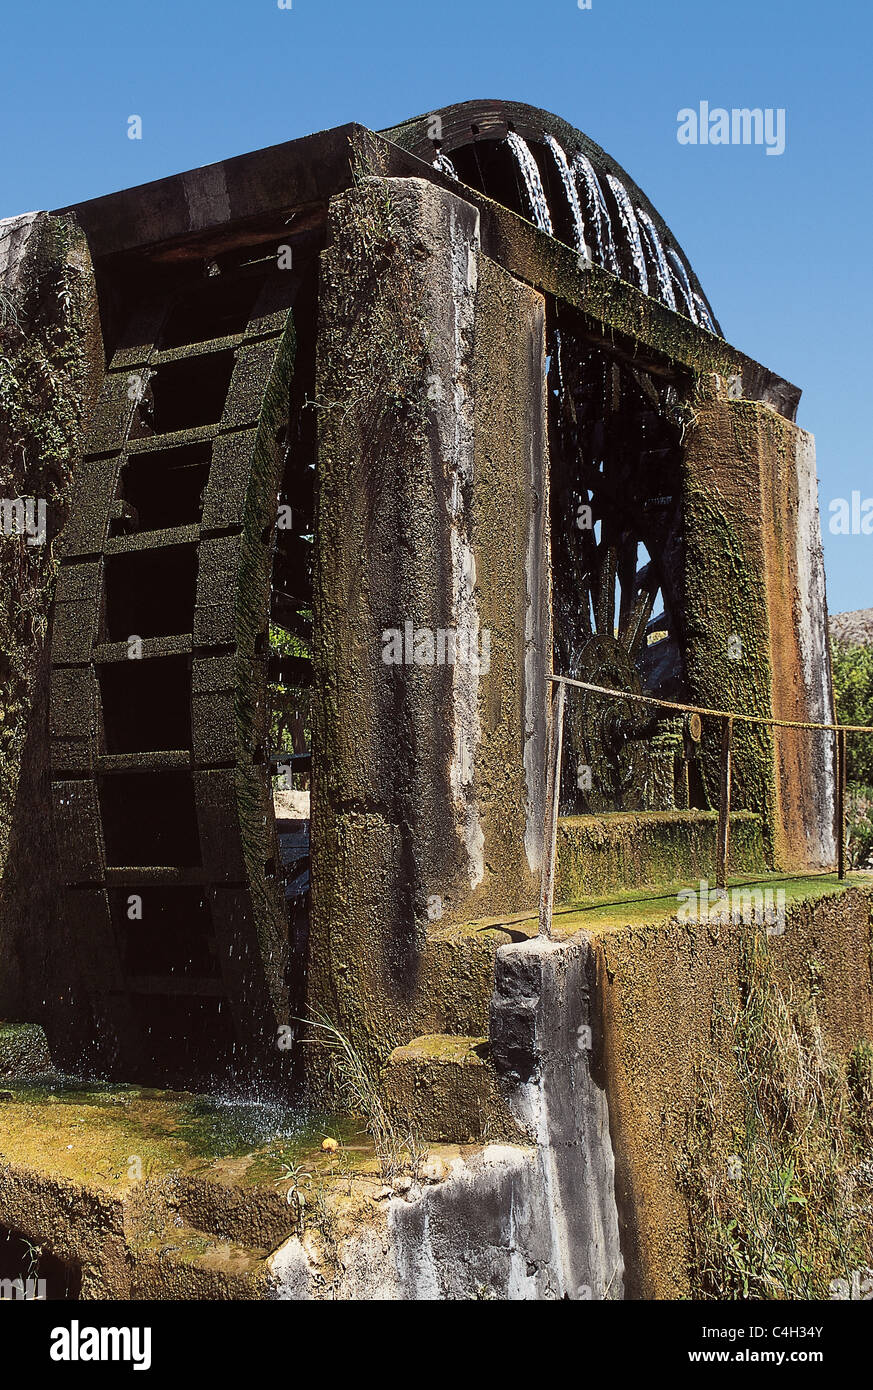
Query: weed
[359, 1089]
[774, 1175]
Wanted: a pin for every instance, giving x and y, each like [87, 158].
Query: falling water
[559, 369]
[599, 212]
[532, 181]
[656, 251]
[704, 317]
[680, 275]
[572, 196]
[637, 225]
[445, 165]
[631, 230]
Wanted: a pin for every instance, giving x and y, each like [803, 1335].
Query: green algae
[629, 907]
[93, 1131]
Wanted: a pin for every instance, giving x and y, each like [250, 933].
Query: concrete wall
[534, 1219]
[432, 509]
[660, 994]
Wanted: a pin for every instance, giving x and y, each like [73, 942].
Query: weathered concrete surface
[597, 854]
[659, 992]
[543, 1041]
[444, 1088]
[798, 591]
[133, 1192]
[756, 616]
[51, 366]
[428, 794]
[486, 1231]
[140, 1196]
[535, 1219]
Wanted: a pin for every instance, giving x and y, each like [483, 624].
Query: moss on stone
[599, 853]
[47, 372]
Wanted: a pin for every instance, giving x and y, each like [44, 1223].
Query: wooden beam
[553, 799]
[724, 804]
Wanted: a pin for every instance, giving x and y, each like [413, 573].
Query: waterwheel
[617, 555]
[160, 713]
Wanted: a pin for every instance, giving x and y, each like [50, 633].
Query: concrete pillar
[431, 525]
[756, 615]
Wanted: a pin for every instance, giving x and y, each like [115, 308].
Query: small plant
[290, 706]
[292, 1178]
[860, 1079]
[859, 827]
[8, 312]
[33, 1254]
[359, 1088]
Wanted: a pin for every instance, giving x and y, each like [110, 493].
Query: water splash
[533, 183]
[680, 275]
[631, 230]
[572, 195]
[600, 220]
[445, 165]
[656, 252]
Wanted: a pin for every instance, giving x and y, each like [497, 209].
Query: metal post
[553, 798]
[724, 804]
[841, 803]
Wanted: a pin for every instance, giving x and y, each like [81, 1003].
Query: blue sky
[781, 244]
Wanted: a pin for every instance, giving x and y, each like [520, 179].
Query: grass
[778, 1169]
[359, 1090]
[657, 906]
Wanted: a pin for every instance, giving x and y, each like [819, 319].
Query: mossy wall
[51, 365]
[663, 993]
[598, 854]
[744, 649]
[432, 505]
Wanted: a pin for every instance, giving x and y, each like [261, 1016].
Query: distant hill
[853, 629]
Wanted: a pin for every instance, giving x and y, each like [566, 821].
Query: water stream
[680, 276]
[572, 194]
[658, 269]
[631, 230]
[445, 165]
[606, 252]
[530, 173]
[656, 254]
